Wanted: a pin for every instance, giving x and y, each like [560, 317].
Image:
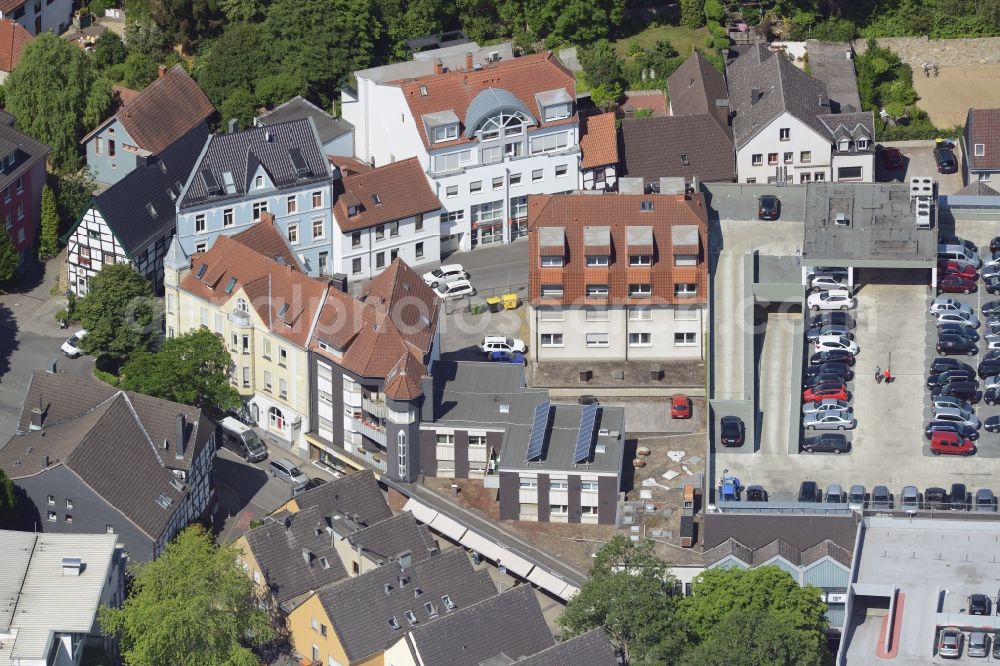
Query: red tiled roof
[598, 140]
[163, 112]
[574, 212]
[402, 191]
[455, 90]
[265, 238]
[984, 128]
[267, 284]
[348, 165]
[13, 38]
[403, 381]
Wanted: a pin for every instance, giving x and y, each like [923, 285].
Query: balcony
[239, 318]
[374, 406]
[370, 430]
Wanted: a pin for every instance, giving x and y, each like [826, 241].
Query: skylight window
[201, 271]
[150, 210]
[230, 184]
[376, 200]
[283, 311]
[230, 285]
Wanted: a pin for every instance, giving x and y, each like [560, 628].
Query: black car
[964, 431]
[820, 380]
[959, 497]
[828, 442]
[733, 431]
[832, 319]
[947, 376]
[955, 344]
[832, 355]
[769, 207]
[989, 367]
[990, 308]
[962, 330]
[992, 424]
[943, 364]
[955, 240]
[945, 160]
[935, 498]
[967, 391]
[809, 492]
[979, 604]
[756, 494]
[992, 396]
[833, 368]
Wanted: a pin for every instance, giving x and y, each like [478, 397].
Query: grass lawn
[682, 39]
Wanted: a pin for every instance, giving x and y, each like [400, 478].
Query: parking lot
[918, 160]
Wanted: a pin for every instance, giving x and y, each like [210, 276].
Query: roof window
[394, 623]
[423, 91]
[645, 205]
[448, 603]
[411, 617]
[201, 271]
[376, 199]
[150, 210]
[230, 285]
[230, 183]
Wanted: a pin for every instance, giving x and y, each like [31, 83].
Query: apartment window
[267, 381]
[552, 261]
[685, 260]
[772, 158]
[200, 247]
[318, 231]
[356, 265]
[685, 290]
[588, 486]
[51, 499]
[282, 388]
[204, 317]
[111, 147]
[558, 510]
[805, 177]
[788, 157]
[639, 339]
[475, 186]
[513, 149]
[819, 176]
[418, 222]
[597, 260]
[258, 208]
[597, 340]
[552, 339]
[528, 483]
[282, 357]
[53, 516]
[785, 133]
[199, 223]
[862, 144]
[451, 191]
[356, 239]
[445, 133]
[757, 159]
[549, 314]
[324, 263]
[452, 161]
[246, 377]
[227, 218]
[548, 143]
[393, 229]
[293, 204]
[537, 175]
[980, 150]
[418, 250]
[98, 148]
[558, 485]
[498, 182]
[588, 510]
[94, 233]
[805, 156]
[218, 320]
[640, 260]
[751, 181]
[552, 291]
[557, 111]
[267, 349]
[492, 154]
[20, 209]
[596, 314]
[258, 183]
[246, 344]
[597, 290]
[515, 179]
[561, 170]
[317, 199]
[640, 290]
[380, 260]
[684, 339]
[234, 342]
[293, 233]
[640, 314]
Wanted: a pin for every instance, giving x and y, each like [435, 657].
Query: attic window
[163, 166]
[645, 205]
[394, 623]
[352, 211]
[325, 563]
[423, 91]
[283, 311]
[211, 185]
[164, 501]
[230, 285]
[411, 617]
[684, 159]
[376, 200]
[302, 169]
[417, 592]
[150, 210]
[230, 183]
[557, 111]
[201, 271]
[448, 603]
[258, 183]
[980, 150]
[431, 610]
[171, 194]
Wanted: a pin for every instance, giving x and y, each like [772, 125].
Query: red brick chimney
[468, 60]
[267, 217]
[161, 71]
[438, 66]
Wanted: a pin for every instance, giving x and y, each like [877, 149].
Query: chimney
[179, 443]
[36, 419]
[267, 217]
[307, 556]
[232, 125]
[161, 71]
[754, 95]
[438, 66]
[468, 60]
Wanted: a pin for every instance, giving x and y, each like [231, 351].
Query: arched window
[255, 413]
[275, 419]
[503, 124]
[258, 183]
[241, 305]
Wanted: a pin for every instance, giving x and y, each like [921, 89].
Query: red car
[953, 284]
[966, 271]
[951, 443]
[892, 158]
[680, 406]
[825, 392]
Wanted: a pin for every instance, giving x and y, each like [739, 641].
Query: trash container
[475, 308]
[510, 301]
[493, 302]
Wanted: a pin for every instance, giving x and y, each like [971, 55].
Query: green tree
[715, 12]
[601, 64]
[628, 594]
[225, 66]
[49, 237]
[584, 21]
[47, 93]
[9, 259]
[185, 22]
[275, 89]
[74, 191]
[192, 369]
[98, 102]
[759, 638]
[10, 510]
[118, 313]
[238, 105]
[141, 69]
[692, 13]
[606, 95]
[242, 11]
[109, 49]
[192, 605]
[402, 19]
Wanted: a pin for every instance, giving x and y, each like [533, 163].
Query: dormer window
[558, 112]
[863, 143]
[980, 150]
[845, 145]
[258, 183]
[8, 161]
[445, 133]
[352, 211]
[502, 125]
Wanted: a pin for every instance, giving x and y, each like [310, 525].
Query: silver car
[827, 405]
[957, 318]
[979, 644]
[958, 416]
[942, 401]
[910, 498]
[950, 643]
[834, 494]
[964, 409]
[829, 420]
[856, 498]
[284, 469]
[826, 283]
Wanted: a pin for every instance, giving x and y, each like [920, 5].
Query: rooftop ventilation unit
[921, 186]
[72, 566]
[842, 220]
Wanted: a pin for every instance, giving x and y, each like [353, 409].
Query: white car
[446, 273]
[957, 318]
[72, 346]
[827, 283]
[836, 299]
[829, 420]
[455, 289]
[832, 342]
[492, 343]
[826, 406]
[945, 304]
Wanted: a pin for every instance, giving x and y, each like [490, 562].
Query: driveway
[918, 160]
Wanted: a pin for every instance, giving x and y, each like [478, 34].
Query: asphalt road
[497, 269]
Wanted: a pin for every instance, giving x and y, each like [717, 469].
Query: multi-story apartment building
[278, 169]
[95, 459]
[249, 289]
[22, 175]
[486, 135]
[617, 277]
[133, 221]
[367, 358]
[784, 128]
[382, 214]
[145, 124]
[37, 17]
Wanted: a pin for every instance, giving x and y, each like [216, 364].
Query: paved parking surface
[918, 160]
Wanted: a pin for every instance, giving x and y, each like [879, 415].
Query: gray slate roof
[356, 494]
[158, 182]
[853, 126]
[696, 88]
[829, 64]
[296, 554]
[470, 394]
[560, 442]
[653, 148]
[799, 531]
[360, 608]
[328, 127]
[755, 557]
[387, 539]
[509, 624]
[27, 152]
[121, 444]
[240, 153]
[590, 649]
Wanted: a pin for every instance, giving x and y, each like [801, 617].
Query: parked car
[809, 492]
[967, 391]
[945, 160]
[957, 318]
[991, 260]
[991, 271]
[991, 397]
[829, 420]
[989, 366]
[587, 399]
[819, 380]
[992, 285]
[827, 270]
[768, 207]
[680, 406]
[936, 498]
[947, 239]
[830, 342]
[959, 495]
[993, 381]
[979, 644]
[732, 431]
[945, 304]
[954, 344]
[962, 430]
[962, 330]
[960, 269]
[995, 244]
[832, 355]
[963, 409]
[985, 502]
[835, 318]
[881, 498]
[446, 273]
[824, 392]
[892, 159]
[951, 443]
[943, 364]
[990, 308]
[502, 343]
[828, 442]
[958, 253]
[241, 439]
[856, 498]
[455, 289]
[500, 356]
[835, 494]
[992, 424]
[950, 643]
[814, 334]
[836, 299]
[962, 375]
[955, 284]
[826, 283]
[826, 406]
[71, 347]
[833, 368]
[909, 499]
[284, 469]
[939, 401]
[756, 493]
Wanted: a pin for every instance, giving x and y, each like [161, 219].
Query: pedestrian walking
[888, 376]
[878, 374]
[926, 68]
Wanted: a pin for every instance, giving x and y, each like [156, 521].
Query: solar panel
[588, 418]
[538, 425]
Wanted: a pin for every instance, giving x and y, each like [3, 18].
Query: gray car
[827, 405]
[958, 416]
[943, 401]
[834, 494]
[830, 329]
[910, 498]
[829, 420]
[856, 498]
[979, 644]
[284, 469]
[985, 501]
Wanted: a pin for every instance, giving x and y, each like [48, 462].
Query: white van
[242, 440]
[959, 253]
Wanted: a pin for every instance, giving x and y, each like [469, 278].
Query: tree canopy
[193, 605]
[10, 510]
[118, 313]
[48, 245]
[9, 258]
[192, 369]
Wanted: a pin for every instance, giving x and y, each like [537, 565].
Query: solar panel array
[588, 419]
[538, 425]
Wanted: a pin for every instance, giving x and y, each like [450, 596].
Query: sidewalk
[33, 307]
